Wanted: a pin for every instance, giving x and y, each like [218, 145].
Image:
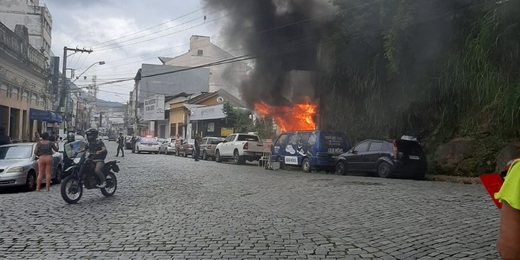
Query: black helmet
[92, 134]
[71, 137]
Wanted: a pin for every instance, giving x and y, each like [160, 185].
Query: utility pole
[64, 89]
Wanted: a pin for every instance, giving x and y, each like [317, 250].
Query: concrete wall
[189, 81]
[37, 19]
[225, 76]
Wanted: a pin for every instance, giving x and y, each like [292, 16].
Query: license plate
[414, 157]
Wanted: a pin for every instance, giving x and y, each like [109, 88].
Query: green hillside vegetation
[437, 69]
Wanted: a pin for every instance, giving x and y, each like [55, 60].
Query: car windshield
[73, 149]
[16, 152]
[148, 141]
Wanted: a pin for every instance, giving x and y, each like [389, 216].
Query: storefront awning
[42, 115]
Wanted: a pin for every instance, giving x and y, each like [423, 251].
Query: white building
[203, 51]
[36, 18]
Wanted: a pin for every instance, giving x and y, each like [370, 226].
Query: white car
[167, 146]
[147, 144]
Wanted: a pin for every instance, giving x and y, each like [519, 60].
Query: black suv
[387, 158]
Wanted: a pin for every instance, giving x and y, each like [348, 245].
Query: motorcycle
[81, 174]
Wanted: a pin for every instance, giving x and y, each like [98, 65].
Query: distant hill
[104, 103]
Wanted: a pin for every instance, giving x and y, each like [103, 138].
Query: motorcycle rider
[98, 153]
[71, 137]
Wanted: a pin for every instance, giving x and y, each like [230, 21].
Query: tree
[238, 118]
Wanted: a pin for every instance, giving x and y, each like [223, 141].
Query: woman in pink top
[44, 150]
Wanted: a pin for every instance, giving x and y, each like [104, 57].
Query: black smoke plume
[284, 36]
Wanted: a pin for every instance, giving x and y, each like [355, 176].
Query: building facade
[34, 16]
[202, 114]
[24, 95]
[202, 51]
[168, 81]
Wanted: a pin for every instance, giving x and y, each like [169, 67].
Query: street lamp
[99, 62]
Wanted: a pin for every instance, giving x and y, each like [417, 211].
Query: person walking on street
[4, 139]
[133, 141]
[44, 150]
[197, 148]
[120, 145]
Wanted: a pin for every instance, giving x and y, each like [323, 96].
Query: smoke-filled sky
[283, 36]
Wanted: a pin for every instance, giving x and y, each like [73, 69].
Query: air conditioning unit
[220, 99]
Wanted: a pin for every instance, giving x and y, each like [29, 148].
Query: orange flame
[290, 118]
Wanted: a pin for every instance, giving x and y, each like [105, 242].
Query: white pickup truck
[240, 147]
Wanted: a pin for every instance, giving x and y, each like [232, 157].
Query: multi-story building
[24, 95]
[161, 82]
[227, 76]
[34, 16]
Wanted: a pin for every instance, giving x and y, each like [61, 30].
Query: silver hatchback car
[19, 166]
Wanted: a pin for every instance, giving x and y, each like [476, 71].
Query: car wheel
[58, 177]
[384, 170]
[138, 150]
[204, 156]
[217, 156]
[306, 165]
[30, 183]
[237, 159]
[341, 168]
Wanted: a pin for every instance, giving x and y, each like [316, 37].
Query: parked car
[112, 137]
[128, 142]
[167, 146]
[147, 144]
[186, 148]
[240, 147]
[208, 146]
[309, 149]
[386, 158]
[19, 166]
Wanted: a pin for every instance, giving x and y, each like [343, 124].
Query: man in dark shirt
[196, 154]
[52, 137]
[120, 145]
[4, 139]
[98, 153]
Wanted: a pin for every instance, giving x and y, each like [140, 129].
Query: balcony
[18, 48]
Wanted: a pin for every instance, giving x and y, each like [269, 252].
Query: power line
[128, 35]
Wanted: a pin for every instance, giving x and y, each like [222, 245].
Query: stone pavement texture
[168, 207]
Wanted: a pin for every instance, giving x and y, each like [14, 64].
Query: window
[252, 138]
[293, 139]
[173, 130]
[304, 138]
[204, 140]
[362, 147]
[180, 129]
[387, 146]
[200, 52]
[230, 138]
[375, 146]
[215, 141]
[281, 140]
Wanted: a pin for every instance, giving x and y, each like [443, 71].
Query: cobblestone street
[168, 207]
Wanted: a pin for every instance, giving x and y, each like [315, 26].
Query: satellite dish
[220, 99]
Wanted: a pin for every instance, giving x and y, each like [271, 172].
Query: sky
[125, 34]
